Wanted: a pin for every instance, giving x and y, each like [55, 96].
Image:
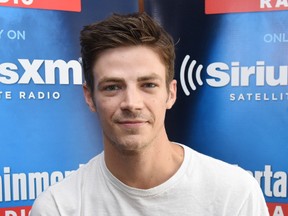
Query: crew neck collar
[151, 191]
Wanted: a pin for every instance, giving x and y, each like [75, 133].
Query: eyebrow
[152, 76]
[110, 79]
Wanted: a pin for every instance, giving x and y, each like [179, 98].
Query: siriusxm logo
[41, 71]
[221, 74]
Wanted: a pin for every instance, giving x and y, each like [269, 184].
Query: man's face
[131, 97]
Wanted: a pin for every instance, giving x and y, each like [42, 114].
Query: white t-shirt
[202, 186]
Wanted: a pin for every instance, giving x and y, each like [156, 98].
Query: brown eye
[111, 88]
[149, 85]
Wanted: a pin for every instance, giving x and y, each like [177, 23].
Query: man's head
[129, 67]
[122, 31]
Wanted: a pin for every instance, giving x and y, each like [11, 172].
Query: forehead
[128, 62]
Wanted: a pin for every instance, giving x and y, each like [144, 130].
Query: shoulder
[77, 178]
[45, 205]
[218, 178]
[67, 192]
[217, 169]
[225, 183]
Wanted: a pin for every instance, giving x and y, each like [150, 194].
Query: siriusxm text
[41, 71]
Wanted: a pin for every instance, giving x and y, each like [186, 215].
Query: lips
[132, 123]
[132, 119]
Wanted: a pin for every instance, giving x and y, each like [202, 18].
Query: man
[128, 64]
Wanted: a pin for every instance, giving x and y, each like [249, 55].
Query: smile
[132, 123]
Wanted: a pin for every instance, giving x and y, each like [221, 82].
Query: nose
[132, 99]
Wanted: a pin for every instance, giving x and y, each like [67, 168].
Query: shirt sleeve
[45, 205]
[255, 203]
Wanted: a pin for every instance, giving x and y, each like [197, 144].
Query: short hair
[122, 31]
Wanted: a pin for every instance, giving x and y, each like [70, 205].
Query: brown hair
[125, 30]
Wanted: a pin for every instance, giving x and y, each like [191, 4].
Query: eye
[149, 85]
[111, 88]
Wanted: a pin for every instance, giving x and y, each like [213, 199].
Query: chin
[130, 147]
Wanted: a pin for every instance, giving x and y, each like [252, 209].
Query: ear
[88, 97]
[172, 94]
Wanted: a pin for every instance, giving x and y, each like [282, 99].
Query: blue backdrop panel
[232, 72]
[46, 127]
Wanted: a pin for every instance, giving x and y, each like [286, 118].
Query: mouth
[132, 123]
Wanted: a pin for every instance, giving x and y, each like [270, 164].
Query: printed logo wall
[46, 128]
[232, 72]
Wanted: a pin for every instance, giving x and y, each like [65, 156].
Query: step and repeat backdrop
[46, 128]
[232, 73]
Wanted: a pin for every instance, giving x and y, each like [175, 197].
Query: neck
[147, 167]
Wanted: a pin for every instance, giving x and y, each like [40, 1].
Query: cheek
[158, 108]
[106, 108]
